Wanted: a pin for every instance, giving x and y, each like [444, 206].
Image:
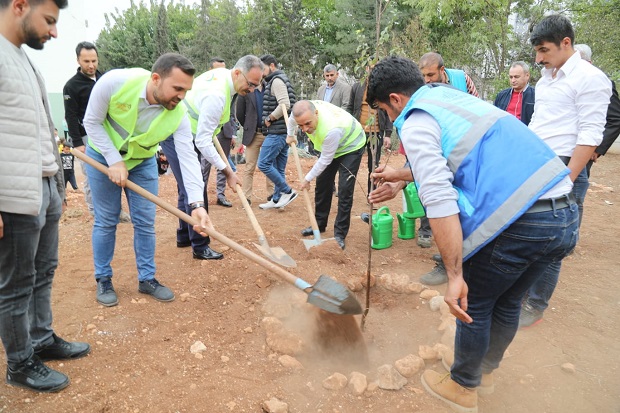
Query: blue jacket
[500, 167]
[527, 107]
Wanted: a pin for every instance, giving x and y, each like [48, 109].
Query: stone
[354, 285]
[373, 280]
[569, 367]
[357, 383]
[428, 353]
[397, 283]
[271, 324]
[336, 381]
[225, 359]
[428, 294]
[197, 347]
[388, 378]
[409, 365]
[415, 287]
[262, 281]
[284, 342]
[435, 302]
[185, 297]
[290, 362]
[447, 321]
[442, 350]
[448, 335]
[274, 405]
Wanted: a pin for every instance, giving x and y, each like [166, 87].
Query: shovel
[326, 294]
[316, 241]
[275, 254]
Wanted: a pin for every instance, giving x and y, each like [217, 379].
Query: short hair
[67, 145]
[393, 75]
[330, 68]
[168, 61]
[61, 4]
[268, 59]
[85, 45]
[216, 60]
[431, 58]
[302, 107]
[524, 66]
[585, 51]
[553, 29]
[248, 62]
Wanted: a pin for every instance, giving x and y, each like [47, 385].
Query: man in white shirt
[129, 113]
[571, 103]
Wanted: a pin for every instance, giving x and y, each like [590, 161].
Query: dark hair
[552, 28]
[216, 60]
[268, 59]
[393, 75]
[67, 145]
[168, 61]
[61, 4]
[87, 46]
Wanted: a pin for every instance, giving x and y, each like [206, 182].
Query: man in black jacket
[519, 99]
[76, 94]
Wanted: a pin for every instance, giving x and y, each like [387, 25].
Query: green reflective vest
[214, 80]
[333, 117]
[122, 118]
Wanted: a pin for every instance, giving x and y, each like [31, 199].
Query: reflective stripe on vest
[332, 117]
[212, 80]
[122, 117]
[480, 141]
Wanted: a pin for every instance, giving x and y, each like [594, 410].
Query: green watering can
[382, 223]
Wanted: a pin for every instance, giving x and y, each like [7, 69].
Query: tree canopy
[482, 37]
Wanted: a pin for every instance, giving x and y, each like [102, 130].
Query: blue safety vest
[500, 167]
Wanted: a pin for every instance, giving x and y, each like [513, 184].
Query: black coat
[612, 126]
[355, 109]
[247, 115]
[76, 94]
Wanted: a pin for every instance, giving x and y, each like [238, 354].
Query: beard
[168, 104]
[31, 37]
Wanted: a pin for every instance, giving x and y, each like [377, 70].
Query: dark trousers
[205, 165]
[373, 163]
[345, 166]
[185, 232]
[70, 177]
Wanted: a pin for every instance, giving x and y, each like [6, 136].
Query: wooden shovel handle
[244, 201]
[308, 202]
[192, 221]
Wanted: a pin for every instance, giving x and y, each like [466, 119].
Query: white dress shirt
[571, 108]
[97, 111]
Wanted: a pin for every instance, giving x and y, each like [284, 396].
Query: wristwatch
[196, 205]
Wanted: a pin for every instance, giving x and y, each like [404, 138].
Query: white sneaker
[268, 205]
[286, 199]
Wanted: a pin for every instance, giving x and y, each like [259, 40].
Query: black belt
[551, 204]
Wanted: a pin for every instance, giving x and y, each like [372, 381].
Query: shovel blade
[334, 297]
[309, 243]
[276, 254]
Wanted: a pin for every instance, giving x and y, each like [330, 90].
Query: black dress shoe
[365, 216]
[34, 375]
[62, 350]
[208, 254]
[307, 232]
[183, 244]
[224, 202]
[340, 242]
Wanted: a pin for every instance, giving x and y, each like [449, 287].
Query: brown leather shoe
[441, 386]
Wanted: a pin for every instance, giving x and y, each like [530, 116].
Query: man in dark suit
[518, 100]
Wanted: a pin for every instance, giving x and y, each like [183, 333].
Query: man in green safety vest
[130, 112]
[341, 140]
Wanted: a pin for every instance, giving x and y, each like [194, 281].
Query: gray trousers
[28, 261]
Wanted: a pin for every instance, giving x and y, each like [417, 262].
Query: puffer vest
[270, 103]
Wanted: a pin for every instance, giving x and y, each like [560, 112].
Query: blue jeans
[185, 232]
[498, 276]
[107, 202]
[540, 293]
[272, 162]
[28, 261]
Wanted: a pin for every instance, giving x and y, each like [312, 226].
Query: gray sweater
[23, 152]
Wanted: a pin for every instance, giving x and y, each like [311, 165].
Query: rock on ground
[409, 365]
[358, 383]
[274, 405]
[336, 381]
[388, 378]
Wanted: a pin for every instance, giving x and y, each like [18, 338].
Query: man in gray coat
[335, 90]
[31, 201]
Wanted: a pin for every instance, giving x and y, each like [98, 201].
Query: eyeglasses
[250, 84]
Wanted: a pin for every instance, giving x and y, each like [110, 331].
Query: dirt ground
[141, 359]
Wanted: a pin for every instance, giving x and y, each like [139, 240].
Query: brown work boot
[487, 383]
[459, 398]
